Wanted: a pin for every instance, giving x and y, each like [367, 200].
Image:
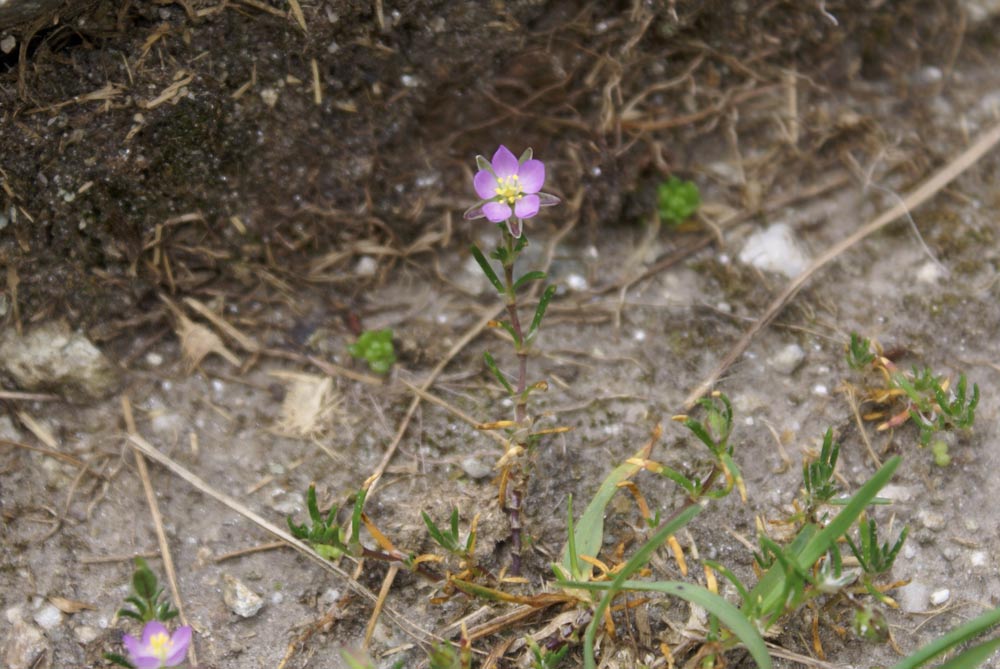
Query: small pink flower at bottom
[158, 648]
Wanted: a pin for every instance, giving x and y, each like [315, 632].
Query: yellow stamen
[160, 645]
[509, 188]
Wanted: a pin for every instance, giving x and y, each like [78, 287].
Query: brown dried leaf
[70, 606]
[197, 341]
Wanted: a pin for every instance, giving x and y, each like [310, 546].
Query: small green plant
[677, 200]
[543, 658]
[818, 483]
[859, 352]
[450, 539]
[157, 646]
[918, 395]
[375, 347]
[145, 597]
[324, 533]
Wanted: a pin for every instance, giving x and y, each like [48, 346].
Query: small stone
[939, 597]
[48, 617]
[269, 96]
[240, 599]
[576, 282]
[86, 634]
[978, 559]
[366, 266]
[329, 598]
[474, 468]
[8, 43]
[932, 520]
[50, 358]
[787, 359]
[930, 272]
[913, 597]
[154, 359]
[897, 493]
[25, 645]
[775, 249]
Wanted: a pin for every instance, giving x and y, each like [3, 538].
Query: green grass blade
[973, 657]
[728, 615]
[588, 534]
[957, 636]
[637, 561]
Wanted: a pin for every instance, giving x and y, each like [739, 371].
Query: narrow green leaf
[635, 563]
[433, 530]
[530, 276]
[510, 330]
[543, 304]
[484, 164]
[492, 365]
[731, 577]
[954, 638]
[359, 504]
[484, 264]
[574, 563]
[973, 657]
[588, 535]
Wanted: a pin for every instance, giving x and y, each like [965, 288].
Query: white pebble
[576, 282]
[787, 359]
[939, 597]
[154, 359]
[366, 266]
[639, 335]
[978, 559]
[48, 617]
[775, 249]
[820, 389]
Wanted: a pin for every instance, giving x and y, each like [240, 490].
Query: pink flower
[158, 648]
[510, 189]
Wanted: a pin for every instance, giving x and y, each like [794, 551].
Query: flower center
[509, 188]
[160, 645]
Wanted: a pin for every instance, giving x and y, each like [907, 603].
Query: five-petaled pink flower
[510, 189]
[158, 648]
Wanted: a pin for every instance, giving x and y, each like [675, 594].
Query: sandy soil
[621, 353]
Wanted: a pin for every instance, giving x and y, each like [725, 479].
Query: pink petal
[133, 646]
[181, 640]
[532, 176]
[504, 162]
[148, 662]
[527, 206]
[486, 184]
[497, 211]
[151, 628]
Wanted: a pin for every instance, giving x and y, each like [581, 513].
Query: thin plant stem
[518, 475]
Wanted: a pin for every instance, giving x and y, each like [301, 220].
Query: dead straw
[154, 511]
